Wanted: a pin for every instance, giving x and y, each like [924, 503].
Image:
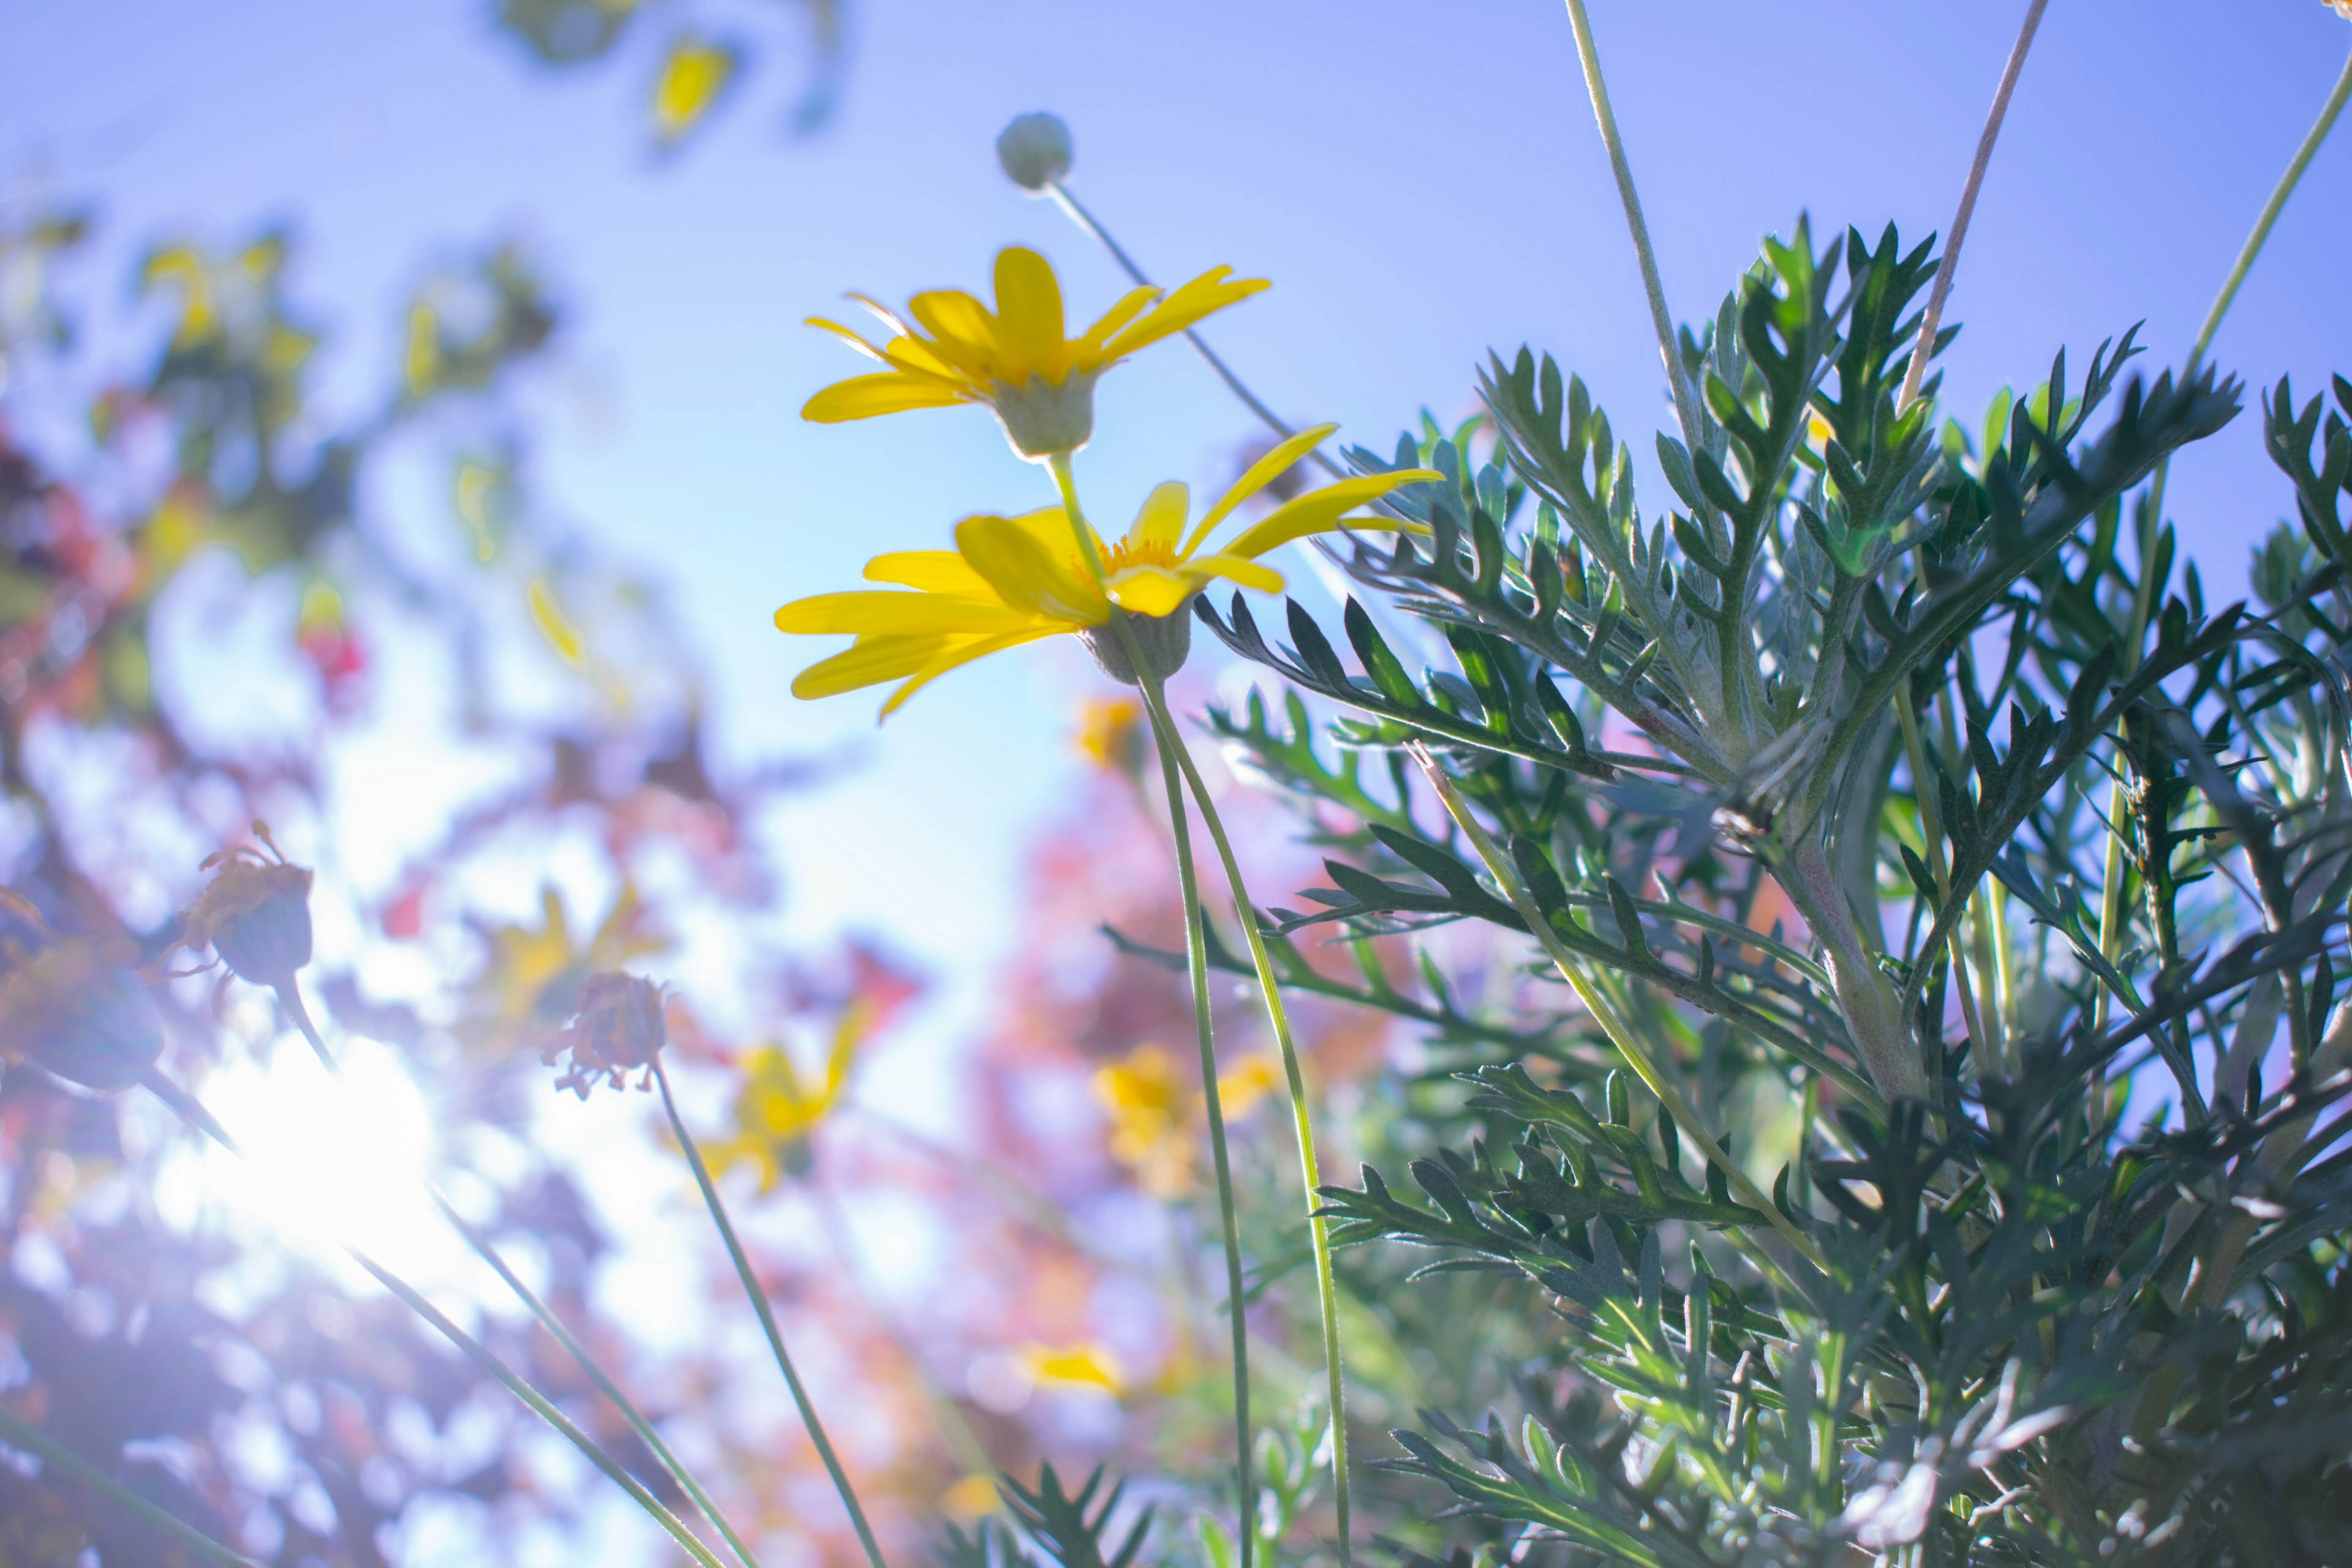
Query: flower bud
[256, 914]
[1034, 150]
[75, 1012]
[619, 1028]
[1164, 641]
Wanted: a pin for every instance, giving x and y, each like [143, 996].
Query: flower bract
[1015, 359]
[1013, 580]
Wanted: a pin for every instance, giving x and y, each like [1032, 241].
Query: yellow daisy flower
[1014, 360]
[1012, 579]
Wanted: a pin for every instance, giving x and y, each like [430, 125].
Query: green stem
[604, 1384]
[1924, 345]
[1269, 983]
[1197, 963]
[1172, 756]
[768, 1322]
[1685, 405]
[290, 996]
[482, 1357]
[33, 1440]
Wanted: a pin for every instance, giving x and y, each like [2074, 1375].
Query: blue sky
[1421, 181]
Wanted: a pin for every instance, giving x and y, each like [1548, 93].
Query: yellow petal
[1026, 570]
[1029, 313]
[1162, 520]
[872, 661]
[889, 392]
[1261, 474]
[1130, 305]
[962, 329]
[1239, 568]
[933, 570]
[1205, 294]
[855, 340]
[873, 613]
[555, 625]
[1318, 511]
[963, 653]
[693, 75]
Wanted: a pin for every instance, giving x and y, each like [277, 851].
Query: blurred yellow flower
[1015, 360]
[693, 74]
[533, 979]
[1153, 1107]
[1073, 1366]
[776, 1109]
[971, 1498]
[1111, 733]
[1013, 580]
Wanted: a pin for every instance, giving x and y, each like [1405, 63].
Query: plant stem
[1931, 830]
[1934, 316]
[290, 996]
[1197, 963]
[1686, 403]
[1172, 756]
[1604, 1012]
[1278, 1017]
[482, 1357]
[596, 1374]
[19, 1434]
[768, 1322]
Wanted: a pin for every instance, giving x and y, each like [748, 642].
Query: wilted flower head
[1034, 150]
[71, 1005]
[1014, 359]
[619, 1028]
[255, 914]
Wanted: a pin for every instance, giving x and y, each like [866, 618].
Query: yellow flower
[1014, 360]
[1151, 1110]
[1073, 1366]
[775, 1111]
[1112, 734]
[1012, 579]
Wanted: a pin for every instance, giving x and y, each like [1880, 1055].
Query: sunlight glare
[332, 1159]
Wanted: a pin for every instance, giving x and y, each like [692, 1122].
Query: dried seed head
[255, 914]
[619, 1028]
[70, 1009]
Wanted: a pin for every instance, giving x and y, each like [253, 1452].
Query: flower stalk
[768, 1322]
[19, 1433]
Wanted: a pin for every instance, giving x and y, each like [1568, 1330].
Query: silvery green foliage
[1757, 757]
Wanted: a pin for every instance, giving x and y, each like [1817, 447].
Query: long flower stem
[1660, 318]
[768, 1322]
[1926, 343]
[1269, 986]
[1171, 758]
[1196, 956]
[546, 1412]
[19, 1434]
[596, 1374]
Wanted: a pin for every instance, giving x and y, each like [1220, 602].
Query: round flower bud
[1034, 150]
[619, 1028]
[80, 1016]
[1164, 641]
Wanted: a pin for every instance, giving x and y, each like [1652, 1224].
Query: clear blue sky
[1421, 181]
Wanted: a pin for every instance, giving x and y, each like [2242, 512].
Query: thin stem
[289, 997]
[1605, 1013]
[1928, 322]
[482, 1357]
[768, 1322]
[1250, 400]
[1197, 963]
[1172, 756]
[2270, 214]
[1278, 1017]
[604, 1384]
[1686, 403]
[18, 1433]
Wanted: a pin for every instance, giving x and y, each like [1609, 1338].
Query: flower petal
[1026, 572]
[1207, 293]
[1130, 306]
[1318, 511]
[889, 392]
[1161, 520]
[876, 612]
[855, 340]
[962, 654]
[933, 570]
[1029, 313]
[870, 663]
[1153, 589]
[1261, 474]
[962, 331]
[1240, 569]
